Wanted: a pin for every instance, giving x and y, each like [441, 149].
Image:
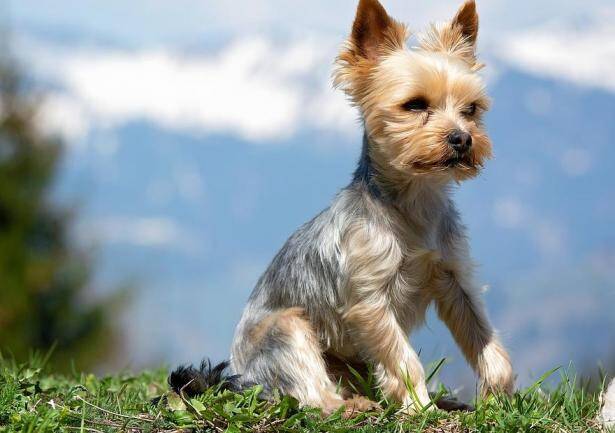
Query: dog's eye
[415, 104]
[470, 110]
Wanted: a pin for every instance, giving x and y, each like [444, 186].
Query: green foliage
[43, 277]
[32, 401]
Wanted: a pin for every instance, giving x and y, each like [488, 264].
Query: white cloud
[251, 88]
[63, 115]
[330, 110]
[584, 55]
[149, 232]
[265, 91]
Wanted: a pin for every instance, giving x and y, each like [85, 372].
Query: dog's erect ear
[374, 35]
[467, 21]
[457, 37]
[374, 31]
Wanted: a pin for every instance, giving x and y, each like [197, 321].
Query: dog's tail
[192, 381]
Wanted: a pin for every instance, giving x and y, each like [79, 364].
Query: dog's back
[308, 273]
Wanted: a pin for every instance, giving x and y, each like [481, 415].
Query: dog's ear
[466, 20]
[374, 31]
[457, 37]
[374, 35]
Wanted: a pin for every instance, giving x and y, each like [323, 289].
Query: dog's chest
[422, 256]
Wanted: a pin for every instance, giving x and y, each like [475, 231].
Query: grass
[34, 401]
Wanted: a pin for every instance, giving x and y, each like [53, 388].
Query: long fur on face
[442, 72]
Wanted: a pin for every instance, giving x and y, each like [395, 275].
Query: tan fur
[406, 142]
[399, 249]
[408, 145]
[355, 62]
[357, 404]
[373, 262]
[463, 312]
[308, 359]
[442, 71]
[457, 38]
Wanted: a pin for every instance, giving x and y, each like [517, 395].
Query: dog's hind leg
[284, 353]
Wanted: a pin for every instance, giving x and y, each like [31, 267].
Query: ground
[32, 400]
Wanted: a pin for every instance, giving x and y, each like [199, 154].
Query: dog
[349, 286]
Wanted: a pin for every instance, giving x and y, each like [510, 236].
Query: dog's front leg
[397, 366]
[460, 306]
[373, 258]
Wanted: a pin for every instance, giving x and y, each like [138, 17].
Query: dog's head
[422, 107]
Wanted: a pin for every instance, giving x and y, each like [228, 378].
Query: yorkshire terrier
[349, 286]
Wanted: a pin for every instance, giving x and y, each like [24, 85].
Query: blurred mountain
[197, 218]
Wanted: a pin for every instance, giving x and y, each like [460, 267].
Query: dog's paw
[352, 406]
[358, 404]
[495, 369]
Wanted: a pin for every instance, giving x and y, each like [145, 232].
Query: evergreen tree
[44, 276]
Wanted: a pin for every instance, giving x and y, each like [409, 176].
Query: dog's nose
[460, 141]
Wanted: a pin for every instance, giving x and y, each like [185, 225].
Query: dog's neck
[367, 174]
[416, 193]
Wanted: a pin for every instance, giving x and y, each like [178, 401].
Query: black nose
[460, 141]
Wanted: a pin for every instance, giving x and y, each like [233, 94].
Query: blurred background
[154, 156]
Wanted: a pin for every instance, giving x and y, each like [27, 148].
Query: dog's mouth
[460, 161]
[461, 165]
[463, 162]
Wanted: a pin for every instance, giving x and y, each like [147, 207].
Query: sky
[210, 52]
[200, 134]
